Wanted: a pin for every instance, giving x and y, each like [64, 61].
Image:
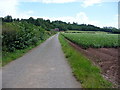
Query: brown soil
[105, 58]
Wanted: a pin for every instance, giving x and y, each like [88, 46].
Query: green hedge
[20, 35]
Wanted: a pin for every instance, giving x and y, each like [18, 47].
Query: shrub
[19, 35]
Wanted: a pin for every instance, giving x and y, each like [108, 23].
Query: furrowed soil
[106, 59]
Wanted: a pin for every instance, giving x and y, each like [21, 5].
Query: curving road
[43, 67]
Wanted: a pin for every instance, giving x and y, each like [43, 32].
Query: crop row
[87, 40]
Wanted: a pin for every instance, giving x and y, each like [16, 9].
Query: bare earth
[105, 58]
[42, 67]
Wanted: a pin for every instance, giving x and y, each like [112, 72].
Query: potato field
[98, 40]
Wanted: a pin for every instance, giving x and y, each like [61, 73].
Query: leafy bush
[19, 35]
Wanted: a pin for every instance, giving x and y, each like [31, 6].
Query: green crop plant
[97, 40]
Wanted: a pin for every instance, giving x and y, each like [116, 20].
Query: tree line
[60, 25]
[19, 34]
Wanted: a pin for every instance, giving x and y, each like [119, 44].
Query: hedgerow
[20, 35]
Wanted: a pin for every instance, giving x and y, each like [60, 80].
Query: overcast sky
[97, 12]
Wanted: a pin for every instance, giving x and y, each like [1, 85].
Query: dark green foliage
[62, 26]
[46, 24]
[8, 19]
[20, 35]
[111, 29]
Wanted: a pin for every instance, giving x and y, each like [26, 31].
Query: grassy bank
[85, 72]
[10, 56]
[19, 37]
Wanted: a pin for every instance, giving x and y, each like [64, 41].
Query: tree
[31, 20]
[8, 19]
[18, 19]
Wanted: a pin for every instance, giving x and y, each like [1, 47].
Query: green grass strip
[85, 72]
[7, 57]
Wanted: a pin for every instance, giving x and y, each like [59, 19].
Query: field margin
[85, 72]
[11, 56]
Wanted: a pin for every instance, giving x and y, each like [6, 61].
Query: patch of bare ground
[106, 59]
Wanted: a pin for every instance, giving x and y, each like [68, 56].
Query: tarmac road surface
[43, 67]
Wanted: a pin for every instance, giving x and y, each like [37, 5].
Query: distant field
[72, 31]
[98, 40]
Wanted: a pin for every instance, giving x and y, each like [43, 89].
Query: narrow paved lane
[43, 67]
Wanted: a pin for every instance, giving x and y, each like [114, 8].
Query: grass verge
[10, 56]
[85, 72]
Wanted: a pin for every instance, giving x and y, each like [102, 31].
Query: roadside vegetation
[95, 40]
[61, 26]
[85, 72]
[21, 35]
[18, 37]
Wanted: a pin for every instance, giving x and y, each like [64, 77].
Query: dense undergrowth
[86, 73]
[19, 37]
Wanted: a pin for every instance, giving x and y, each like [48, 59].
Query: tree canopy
[62, 26]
